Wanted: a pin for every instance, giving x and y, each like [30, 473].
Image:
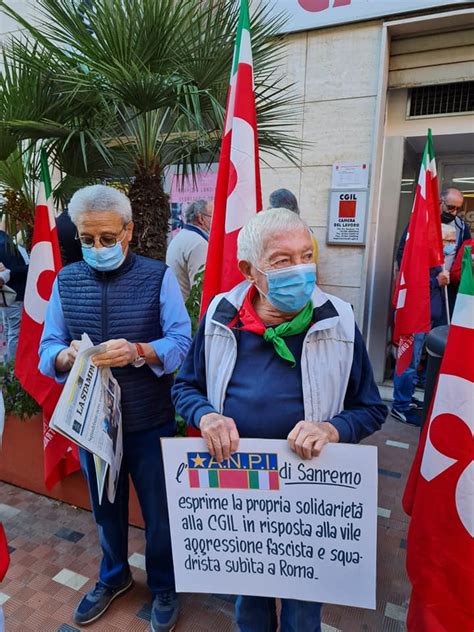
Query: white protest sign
[267, 523]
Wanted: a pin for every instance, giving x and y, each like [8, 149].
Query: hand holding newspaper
[88, 412]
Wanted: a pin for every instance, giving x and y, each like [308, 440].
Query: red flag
[439, 494]
[238, 194]
[423, 250]
[60, 456]
[4, 554]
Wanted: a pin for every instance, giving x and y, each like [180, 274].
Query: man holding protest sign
[133, 306]
[277, 358]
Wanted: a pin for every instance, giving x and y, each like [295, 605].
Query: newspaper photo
[89, 413]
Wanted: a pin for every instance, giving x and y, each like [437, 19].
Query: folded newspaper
[88, 412]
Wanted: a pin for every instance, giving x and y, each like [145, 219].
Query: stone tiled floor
[54, 556]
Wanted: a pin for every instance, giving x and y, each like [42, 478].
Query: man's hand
[65, 358]
[443, 278]
[307, 439]
[2, 269]
[117, 353]
[220, 434]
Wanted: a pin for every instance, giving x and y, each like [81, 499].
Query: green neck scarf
[295, 326]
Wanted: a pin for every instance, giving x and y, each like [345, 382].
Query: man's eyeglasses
[106, 240]
[451, 208]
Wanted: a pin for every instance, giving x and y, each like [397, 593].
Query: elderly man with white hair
[133, 305]
[277, 358]
[187, 252]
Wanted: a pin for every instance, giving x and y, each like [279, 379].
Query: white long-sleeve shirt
[186, 256]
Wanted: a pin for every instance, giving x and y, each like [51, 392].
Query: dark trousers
[258, 614]
[142, 459]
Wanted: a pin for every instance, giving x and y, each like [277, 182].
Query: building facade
[370, 89]
[372, 76]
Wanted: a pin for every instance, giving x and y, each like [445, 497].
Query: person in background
[4, 275]
[283, 198]
[187, 252]
[277, 358]
[405, 404]
[448, 233]
[14, 262]
[69, 244]
[132, 305]
[451, 204]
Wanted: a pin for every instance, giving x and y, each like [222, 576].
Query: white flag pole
[448, 319]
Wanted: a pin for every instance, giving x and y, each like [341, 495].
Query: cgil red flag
[439, 494]
[423, 250]
[238, 193]
[60, 455]
[4, 553]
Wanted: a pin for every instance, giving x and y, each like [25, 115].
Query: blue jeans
[11, 321]
[404, 384]
[258, 614]
[142, 459]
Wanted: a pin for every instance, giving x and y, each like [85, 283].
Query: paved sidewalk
[55, 553]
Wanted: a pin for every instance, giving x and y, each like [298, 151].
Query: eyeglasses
[106, 240]
[451, 208]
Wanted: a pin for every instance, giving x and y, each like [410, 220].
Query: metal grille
[445, 99]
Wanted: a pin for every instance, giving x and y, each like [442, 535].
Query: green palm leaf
[126, 87]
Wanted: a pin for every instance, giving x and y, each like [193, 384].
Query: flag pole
[446, 300]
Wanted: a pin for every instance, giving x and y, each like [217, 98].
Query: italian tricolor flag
[234, 479]
[60, 456]
[423, 250]
[440, 490]
[238, 193]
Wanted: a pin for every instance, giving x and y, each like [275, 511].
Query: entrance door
[399, 175]
[454, 170]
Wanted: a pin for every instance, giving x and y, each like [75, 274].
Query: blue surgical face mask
[449, 249]
[289, 289]
[104, 259]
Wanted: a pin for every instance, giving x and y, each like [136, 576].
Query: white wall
[336, 72]
[25, 8]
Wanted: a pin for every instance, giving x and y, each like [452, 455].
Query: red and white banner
[439, 494]
[4, 554]
[238, 192]
[60, 456]
[423, 250]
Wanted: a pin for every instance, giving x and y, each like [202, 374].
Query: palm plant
[137, 85]
[17, 193]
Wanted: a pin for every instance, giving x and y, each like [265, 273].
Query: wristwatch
[140, 359]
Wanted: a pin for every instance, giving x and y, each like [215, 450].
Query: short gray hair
[100, 198]
[194, 209]
[283, 198]
[444, 193]
[252, 237]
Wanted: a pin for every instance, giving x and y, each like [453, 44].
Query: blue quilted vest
[124, 303]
